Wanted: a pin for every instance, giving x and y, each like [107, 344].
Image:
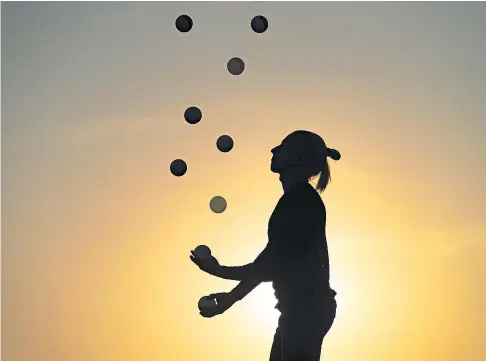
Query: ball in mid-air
[236, 66]
[225, 143]
[184, 23]
[218, 204]
[206, 303]
[259, 24]
[193, 115]
[202, 252]
[178, 167]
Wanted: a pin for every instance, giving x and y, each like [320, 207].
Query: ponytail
[325, 174]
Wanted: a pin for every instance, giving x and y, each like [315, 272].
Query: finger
[207, 313]
[214, 296]
[195, 262]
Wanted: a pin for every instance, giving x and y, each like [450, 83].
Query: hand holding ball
[206, 304]
[203, 258]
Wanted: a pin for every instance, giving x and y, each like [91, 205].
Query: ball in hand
[206, 303]
[202, 252]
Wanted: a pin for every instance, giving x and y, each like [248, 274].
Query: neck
[290, 179]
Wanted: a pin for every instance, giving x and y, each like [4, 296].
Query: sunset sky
[96, 232]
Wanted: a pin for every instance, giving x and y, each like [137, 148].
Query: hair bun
[334, 154]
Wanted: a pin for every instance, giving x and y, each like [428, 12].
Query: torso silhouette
[296, 258]
[297, 249]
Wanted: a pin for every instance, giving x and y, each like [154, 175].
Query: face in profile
[286, 154]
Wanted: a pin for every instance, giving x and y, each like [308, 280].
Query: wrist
[233, 296]
[217, 271]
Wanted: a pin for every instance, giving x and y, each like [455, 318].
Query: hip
[313, 304]
[318, 315]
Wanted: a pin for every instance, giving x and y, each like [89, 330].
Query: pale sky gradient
[96, 232]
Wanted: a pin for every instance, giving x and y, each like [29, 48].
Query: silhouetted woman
[296, 257]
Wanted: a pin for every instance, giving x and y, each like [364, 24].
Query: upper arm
[265, 263]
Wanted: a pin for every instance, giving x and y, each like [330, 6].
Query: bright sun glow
[259, 307]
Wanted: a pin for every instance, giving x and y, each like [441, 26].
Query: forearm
[259, 270]
[242, 289]
[252, 272]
